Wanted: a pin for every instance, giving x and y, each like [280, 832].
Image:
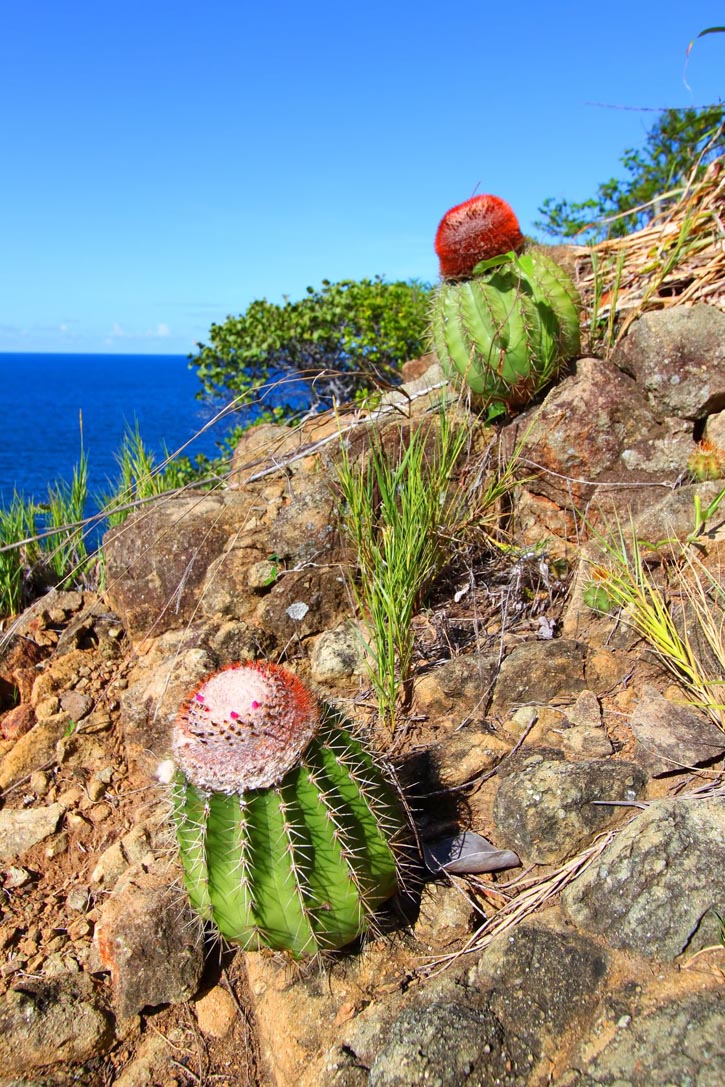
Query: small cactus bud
[479, 229]
[707, 461]
[289, 833]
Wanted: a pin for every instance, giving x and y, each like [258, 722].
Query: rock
[260, 446]
[33, 750]
[153, 1063]
[161, 562]
[19, 662]
[444, 1044]
[76, 704]
[680, 1043]
[261, 575]
[304, 529]
[715, 429]
[48, 1022]
[21, 830]
[337, 654]
[585, 737]
[459, 686]
[158, 684]
[445, 916]
[581, 432]
[320, 589]
[672, 737]
[538, 982]
[539, 672]
[544, 811]
[677, 356]
[59, 675]
[17, 721]
[673, 516]
[467, 752]
[215, 1012]
[655, 886]
[132, 849]
[150, 942]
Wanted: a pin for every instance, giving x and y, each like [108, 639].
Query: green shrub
[313, 352]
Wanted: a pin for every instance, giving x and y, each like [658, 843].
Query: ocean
[44, 398]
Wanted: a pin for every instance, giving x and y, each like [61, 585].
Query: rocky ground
[549, 729]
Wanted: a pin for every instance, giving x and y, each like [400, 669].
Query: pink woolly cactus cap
[244, 727]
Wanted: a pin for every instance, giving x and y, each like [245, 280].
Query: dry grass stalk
[678, 259]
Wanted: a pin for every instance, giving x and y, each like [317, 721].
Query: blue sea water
[44, 396]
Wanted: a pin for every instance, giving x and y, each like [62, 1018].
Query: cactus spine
[503, 320]
[300, 859]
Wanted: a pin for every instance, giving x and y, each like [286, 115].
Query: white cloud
[161, 332]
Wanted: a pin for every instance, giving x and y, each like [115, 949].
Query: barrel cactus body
[504, 323]
[300, 859]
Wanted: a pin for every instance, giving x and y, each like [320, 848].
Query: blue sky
[165, 163]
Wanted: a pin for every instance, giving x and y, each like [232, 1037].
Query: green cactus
[296, 863]
[509, 328]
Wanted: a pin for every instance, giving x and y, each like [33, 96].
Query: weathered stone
[59, 674]
[673, 516]
[655, 886]
[459, 686]
[715, 429]
[671, 736]
[304, 529]
[677, 357]
[444, 921]
[537, 983]
[153, 1062]
[19, 661]
[468, 751]
[261, 575]
[76, 704]
[158, 561]
[261, 446]
[585, 737]
[158, 684]
[337, 654]
[544, 809]
[318, 589]
[444, 1044]
[148, 940]
[225, 589]
[215, 1012]
[539, 672]
[681, 1043]
[21, 830]
[133, 848]
[586, 711]
[46, 1022]
[581, 431]
[17, 721]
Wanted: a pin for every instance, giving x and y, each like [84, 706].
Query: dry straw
[678, 259]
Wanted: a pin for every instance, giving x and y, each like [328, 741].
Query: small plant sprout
[399, 512]
[289, 832]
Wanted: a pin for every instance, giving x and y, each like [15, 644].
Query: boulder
[677, 358]
[656, 887]
[545, 810]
